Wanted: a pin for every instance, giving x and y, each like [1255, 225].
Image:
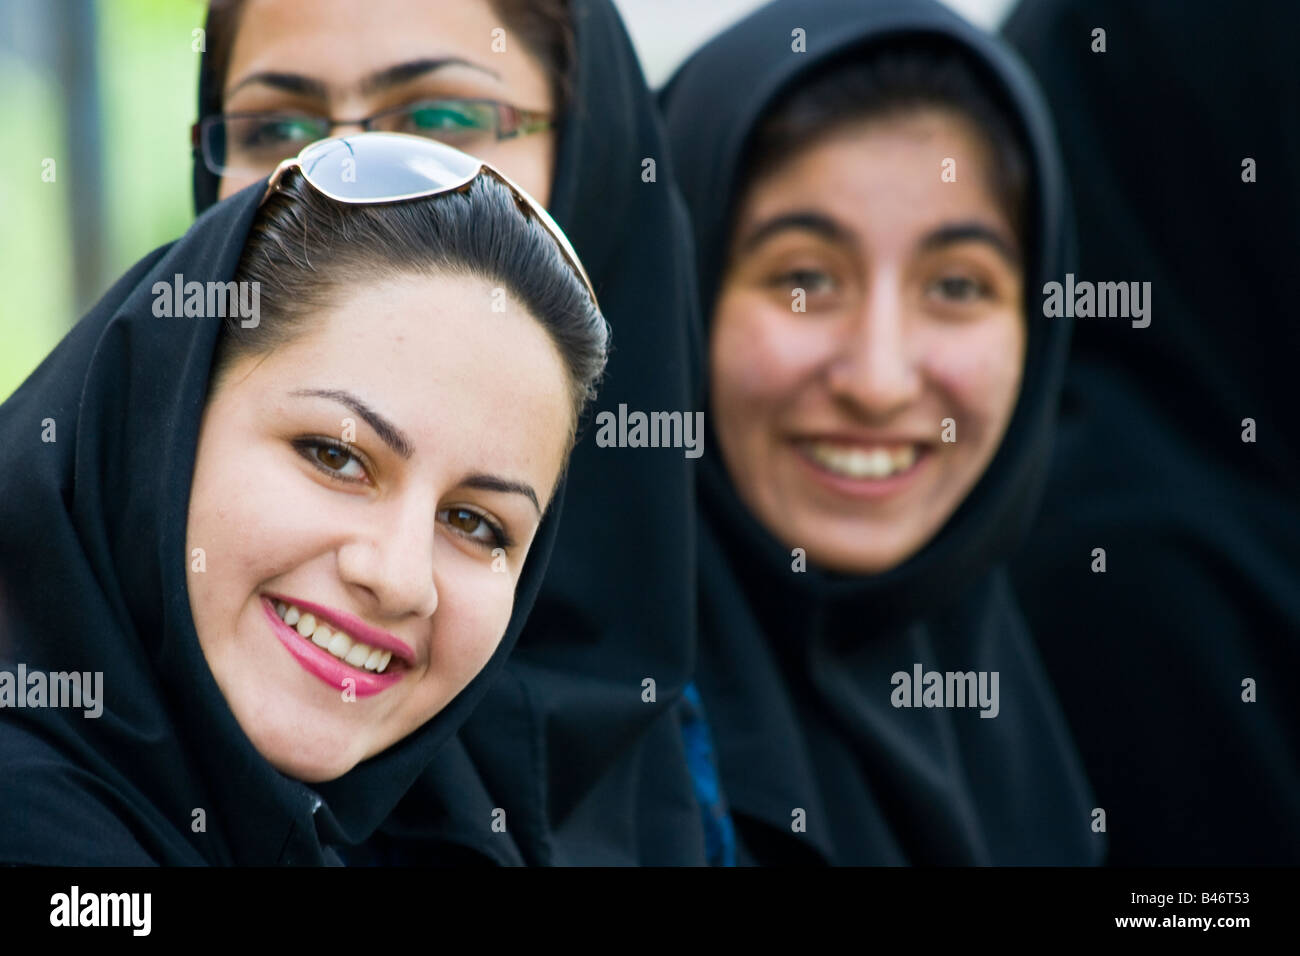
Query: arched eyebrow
[294, 83]
[954, 233]
[396, 439]
[390, 434]
[494, 483]
[405, 72]
[804, 221]
[378, 81]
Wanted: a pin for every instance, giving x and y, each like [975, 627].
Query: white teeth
[904, 458]
[338, 643]
[857, 462]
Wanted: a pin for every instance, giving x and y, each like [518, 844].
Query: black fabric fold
[1201, 529]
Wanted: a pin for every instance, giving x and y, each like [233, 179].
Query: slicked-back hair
[305, 250]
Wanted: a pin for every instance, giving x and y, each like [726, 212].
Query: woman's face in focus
[370, 487]
[347, 60]
[831, 420]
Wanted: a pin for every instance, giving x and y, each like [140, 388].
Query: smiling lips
[858, 461]
[341, 650]
[339, 643]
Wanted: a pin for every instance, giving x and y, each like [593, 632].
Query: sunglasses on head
[374, 167]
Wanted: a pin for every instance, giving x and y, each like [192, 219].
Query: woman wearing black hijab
[273, 548]
[840, 563]
[1178, 455]
[573, 743]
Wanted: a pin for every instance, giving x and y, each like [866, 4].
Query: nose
[873, 368]
[346, 127]
[391, 561]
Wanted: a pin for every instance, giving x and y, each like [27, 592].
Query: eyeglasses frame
[512, 122]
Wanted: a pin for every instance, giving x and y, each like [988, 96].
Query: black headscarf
[794, 668]
[1201, 530]
[93, 578]
[585, 768]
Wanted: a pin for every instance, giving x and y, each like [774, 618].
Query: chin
[311, 770]
[319, 763]
[844, 554]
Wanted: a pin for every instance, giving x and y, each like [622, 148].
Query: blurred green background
[106, 89]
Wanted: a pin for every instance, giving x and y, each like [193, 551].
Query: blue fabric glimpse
[719, 832]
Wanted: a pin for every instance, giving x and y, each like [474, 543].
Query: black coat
[1201, 530]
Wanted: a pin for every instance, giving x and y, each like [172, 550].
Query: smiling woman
[365, 500]
[299, 548]
[868, 217]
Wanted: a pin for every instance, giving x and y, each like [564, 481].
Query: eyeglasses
[235, 144]
[379, 167]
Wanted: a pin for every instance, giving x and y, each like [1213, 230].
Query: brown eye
[812, 281]
[959, 288]
[464, 520]
[477, 527]
[332, 458]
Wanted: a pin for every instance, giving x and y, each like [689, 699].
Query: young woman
[551, 92]
[876, 198]
[273, 501]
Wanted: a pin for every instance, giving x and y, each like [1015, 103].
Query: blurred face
[346, 60]
[831, 420]
[365, 497]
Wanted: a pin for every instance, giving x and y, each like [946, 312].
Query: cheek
[758, 356]
[474, 610]
[978, 369]
[250, 528]
[529, 161]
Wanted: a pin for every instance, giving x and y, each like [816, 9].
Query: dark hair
[544, 26]
[885, 82]
[304, 247]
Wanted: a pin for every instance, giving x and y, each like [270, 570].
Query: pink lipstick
[322, 664]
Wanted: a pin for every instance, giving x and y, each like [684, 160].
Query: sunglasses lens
[375, 167]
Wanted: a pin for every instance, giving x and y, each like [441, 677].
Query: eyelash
[790, 279]
[308, 445]
[983, 289]
[500, 539]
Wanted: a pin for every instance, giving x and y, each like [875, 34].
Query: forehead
[432, 355]
[884, 178]
[342, 41]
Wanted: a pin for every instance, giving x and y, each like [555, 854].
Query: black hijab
[794, 668]
[93, 578]
[1201, 529]
[585, 768]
